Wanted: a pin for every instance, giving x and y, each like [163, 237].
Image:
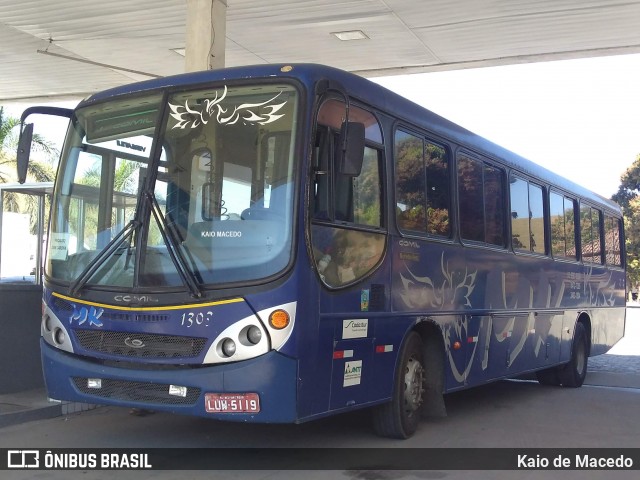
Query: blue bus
[280, 243]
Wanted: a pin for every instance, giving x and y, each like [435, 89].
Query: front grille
[140, 345]
[137, 391]
[137, 317]
[63, 307]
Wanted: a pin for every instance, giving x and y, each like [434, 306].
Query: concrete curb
[611, 379]
[33, 405]
[30, 415]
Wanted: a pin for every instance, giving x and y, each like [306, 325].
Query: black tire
[548, 376]
[400, 417]
[572, 374]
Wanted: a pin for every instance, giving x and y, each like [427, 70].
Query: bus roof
[375, 95]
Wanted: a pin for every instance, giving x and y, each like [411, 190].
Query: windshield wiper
[173, 247]
[93, 266]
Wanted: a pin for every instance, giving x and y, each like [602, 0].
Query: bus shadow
[356, 428]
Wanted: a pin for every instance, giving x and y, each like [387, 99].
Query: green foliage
[632, 242]
[37, 171]
[628, 198]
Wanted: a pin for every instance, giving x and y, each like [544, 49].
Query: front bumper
[272, 376]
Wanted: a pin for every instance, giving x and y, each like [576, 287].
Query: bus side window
[563, 244]
[570, 209]
[354, 200]
[528, 232]
[612, 241]
[494, 205]
[471, 202]
[482, 207]
[321, 185]
[343, 193]
[341, 197]
[590, 234]
[367, 190]
[536, 220]
[422, 185]
[410, 182]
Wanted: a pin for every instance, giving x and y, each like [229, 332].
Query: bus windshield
[192, 188]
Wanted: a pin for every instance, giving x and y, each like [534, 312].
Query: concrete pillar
[206, 29]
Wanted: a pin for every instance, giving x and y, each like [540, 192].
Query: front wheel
[572, 375]
[401, 416]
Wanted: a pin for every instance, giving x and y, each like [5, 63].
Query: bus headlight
[241, 340]
[59, 336]
[228, 347]
[54, 332]
[254, 335]
[47, 323]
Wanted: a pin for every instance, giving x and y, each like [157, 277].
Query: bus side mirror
[24, 150]
[351, 148]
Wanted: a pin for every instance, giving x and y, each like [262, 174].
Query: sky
[579, 118]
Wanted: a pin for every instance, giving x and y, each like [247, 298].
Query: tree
[629, 184]
[37, 171]
[629, 199]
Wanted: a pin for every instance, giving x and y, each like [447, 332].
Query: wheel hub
[413, 385]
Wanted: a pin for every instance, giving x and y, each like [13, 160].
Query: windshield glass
[214, 206]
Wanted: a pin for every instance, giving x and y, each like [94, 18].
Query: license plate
[232, 402]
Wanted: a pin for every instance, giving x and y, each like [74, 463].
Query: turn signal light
[279, 319]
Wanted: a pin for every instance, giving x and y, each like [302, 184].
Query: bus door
[348, 240]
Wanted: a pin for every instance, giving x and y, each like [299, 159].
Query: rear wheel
[401, 416]
[572, 375]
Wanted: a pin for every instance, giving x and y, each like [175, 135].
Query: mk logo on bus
[84, 314]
